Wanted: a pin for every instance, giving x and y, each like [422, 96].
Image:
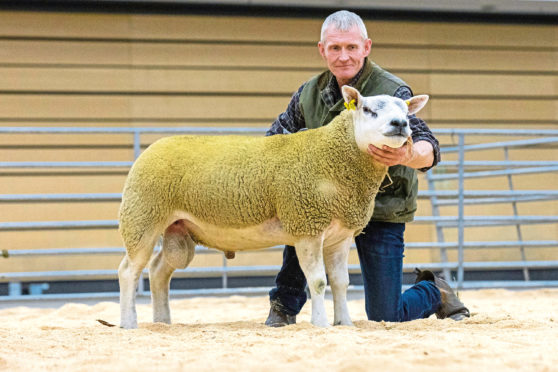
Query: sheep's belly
[267, 234]
[264, 235]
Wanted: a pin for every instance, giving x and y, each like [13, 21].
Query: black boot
[451, 306]
[277, 318]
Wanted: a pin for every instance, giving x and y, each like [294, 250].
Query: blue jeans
[380, 250]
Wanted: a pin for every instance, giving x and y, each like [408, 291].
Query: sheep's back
[225, 180]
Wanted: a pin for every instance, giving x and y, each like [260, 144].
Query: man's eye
[369, 112]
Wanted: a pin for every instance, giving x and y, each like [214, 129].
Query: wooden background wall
[106, 70]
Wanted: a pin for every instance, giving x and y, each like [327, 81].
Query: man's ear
[416, 103]
[350, 93]
[321, 49]
[367, 47]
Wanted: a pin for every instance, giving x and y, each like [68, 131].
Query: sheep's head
[381, 120]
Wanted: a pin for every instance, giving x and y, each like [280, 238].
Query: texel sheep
[313, 189]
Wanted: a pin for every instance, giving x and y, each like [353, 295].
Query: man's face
[344, 52]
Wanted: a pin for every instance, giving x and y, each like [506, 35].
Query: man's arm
[291, 120]
[425, 150]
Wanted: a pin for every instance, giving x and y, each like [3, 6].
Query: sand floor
[509, 330]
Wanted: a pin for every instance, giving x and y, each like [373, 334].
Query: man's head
[344, 45]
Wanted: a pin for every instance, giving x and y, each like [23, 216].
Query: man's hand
[415, 155]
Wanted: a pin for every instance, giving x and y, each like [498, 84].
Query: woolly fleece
[306, 179]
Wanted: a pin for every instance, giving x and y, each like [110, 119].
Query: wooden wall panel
[271, 82]
[160, 54]
[90, 152]
[246, 56]
[147, 80]
[246, 107]
[95, 25]
[490, 85]
[22, 141]
[62, 181]
[123, 107]
[39, 24]
[58, 211]
[493, 109]
[43, 53]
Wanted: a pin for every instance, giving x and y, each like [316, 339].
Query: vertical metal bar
[439, 229]
[14, 289]
[224, 277]
[461, 211]
[141, 285]
[137, 144]
[518, 225]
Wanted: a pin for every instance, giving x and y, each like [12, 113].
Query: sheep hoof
[129, 325]
[344, 323]
[321, 323]
[229, 254]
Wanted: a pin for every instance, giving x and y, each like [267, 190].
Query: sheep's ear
[350, 93]
[416, 103]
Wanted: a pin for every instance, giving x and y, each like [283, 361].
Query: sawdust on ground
[509, 330]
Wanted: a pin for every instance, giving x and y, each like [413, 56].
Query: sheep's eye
[369, 112]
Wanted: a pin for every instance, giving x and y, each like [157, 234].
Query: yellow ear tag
[351, 105]
[408, 102]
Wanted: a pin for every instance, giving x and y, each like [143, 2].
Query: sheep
[313, 189]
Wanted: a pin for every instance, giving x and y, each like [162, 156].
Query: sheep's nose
[398, 123]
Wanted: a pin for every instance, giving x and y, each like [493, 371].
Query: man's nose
[344, 54]
[398, 123]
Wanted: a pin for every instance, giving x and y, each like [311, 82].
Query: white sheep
[314, 190]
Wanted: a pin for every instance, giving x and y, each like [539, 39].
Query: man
[345, 46]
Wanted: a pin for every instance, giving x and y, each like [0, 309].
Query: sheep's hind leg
[129, 273]
[310, 257]
[177, 252]
[336, 260]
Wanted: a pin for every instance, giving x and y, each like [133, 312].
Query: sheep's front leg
[310, 257]
[336, 260]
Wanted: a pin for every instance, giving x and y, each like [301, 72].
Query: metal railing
[448, 171]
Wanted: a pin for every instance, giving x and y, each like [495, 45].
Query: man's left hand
[390, 156]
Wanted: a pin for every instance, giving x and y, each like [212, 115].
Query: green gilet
[396, 202]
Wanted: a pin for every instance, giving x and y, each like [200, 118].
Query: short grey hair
[344, 20]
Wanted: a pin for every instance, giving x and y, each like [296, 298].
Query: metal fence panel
[458, 170]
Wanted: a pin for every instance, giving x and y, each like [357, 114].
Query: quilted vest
[396, 202]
